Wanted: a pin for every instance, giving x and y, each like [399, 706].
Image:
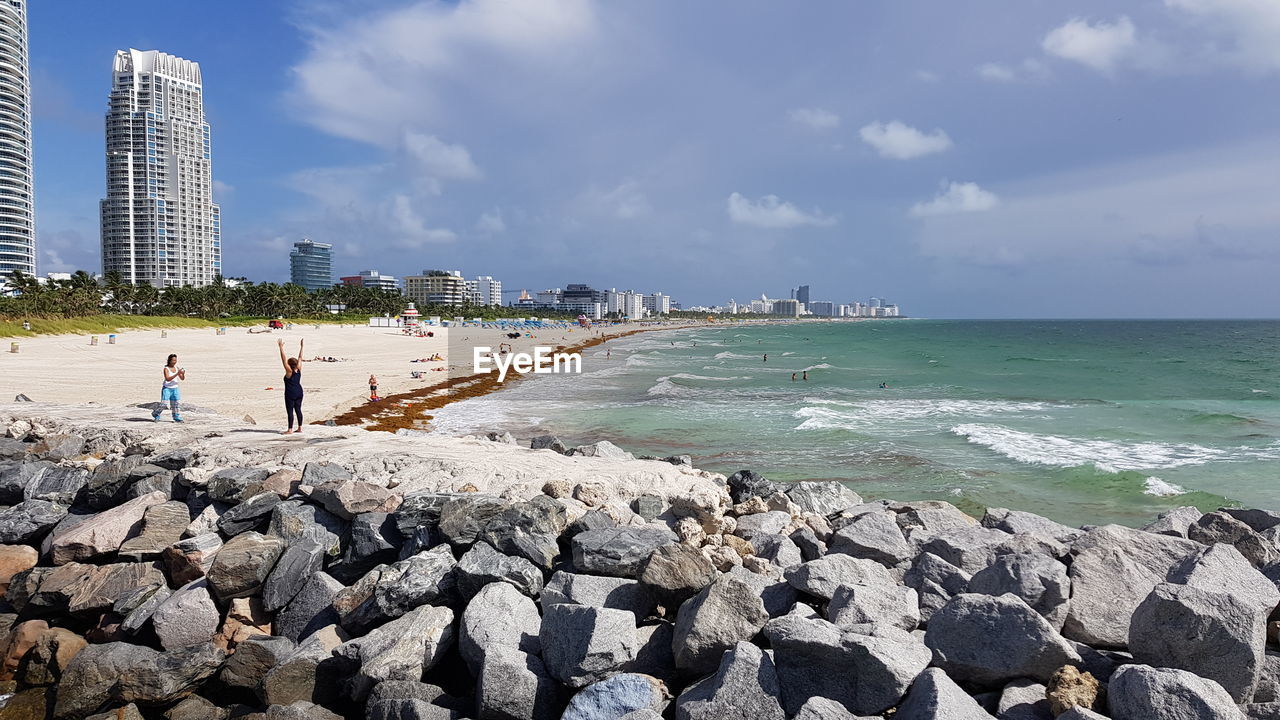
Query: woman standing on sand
[292, 386]
[169, 392]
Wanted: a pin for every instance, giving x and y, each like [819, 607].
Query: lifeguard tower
[411, 319]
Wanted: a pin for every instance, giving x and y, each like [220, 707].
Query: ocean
[1086, 422]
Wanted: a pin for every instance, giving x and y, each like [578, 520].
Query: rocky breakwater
[144, 579]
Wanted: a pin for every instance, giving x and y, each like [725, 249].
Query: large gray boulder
[1039, 580]
[530, 530]
[516, 686]
[776, 594]
[874, 536]
[598, 591]
[675, 572]
[235, 485]
[293, 520]
[990, 640]
[253, 659]
[1017, 521]
[122, 673]
[347, 499]
[582, 645]
[618, 697]
[1220, 527]
[162, 526]
[822, 498]
[413, 582]
[935, 581]
[243, 565]
[254, 513]
[300, 561]
[618, 551]
[744, 686]
[1221, 568]
[820, 708]
[726, 612]
[1024, 700]
[1140, 692]
[1174, 522]
[499, 616]
[823, 576]
[894, 605]
[402, 649]
[482, 565]
[309, 610]
[879, 663]
[1113, 570]
[934, 696]
[187, 617]
[29, 520]
[765, 523]
[103, 533]
[1212, 634]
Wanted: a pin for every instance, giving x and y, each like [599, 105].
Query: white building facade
[160, 225]
[484, 290]
[17, 215]
[657, 303]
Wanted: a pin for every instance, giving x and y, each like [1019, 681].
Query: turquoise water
[1083, 421]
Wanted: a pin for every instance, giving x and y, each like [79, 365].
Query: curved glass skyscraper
[17, 214]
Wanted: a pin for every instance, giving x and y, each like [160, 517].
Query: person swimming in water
[884, 386]
[806, 376]
[766, 357]
[793, 377]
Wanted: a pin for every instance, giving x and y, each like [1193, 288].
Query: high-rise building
[311, 265]
[657, 303]
[160, 225]
[436, 287]
[371, 279]
[789, 308]
[822, 308]
[802, 296]
[484, 290]
[17, 216]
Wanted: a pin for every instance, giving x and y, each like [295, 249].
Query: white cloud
[957, 198]
[902, 142]
[814, 118]
[771, 211]
[222, 191]
[491, 222]
[1030, 70]
[1100, 46]
[626, 201]
[1250, 29]
[438, 158]
[411, 228]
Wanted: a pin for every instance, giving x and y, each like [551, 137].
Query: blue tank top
[293, 385]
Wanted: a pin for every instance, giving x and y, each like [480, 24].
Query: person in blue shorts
[169, 391]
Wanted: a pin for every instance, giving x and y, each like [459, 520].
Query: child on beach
[169, 392]
[292, 386]
[373, 387]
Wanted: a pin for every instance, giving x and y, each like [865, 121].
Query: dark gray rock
[620, 551]
[1024, 700]
[529, 530]
[990, 640]
[60, 484]
[778, 550]
[1212, 634]
[463, 517]
[85, 590]
[300, 561]
[974, 548]
[187, 617]
[549, 442]
[316, 474]
[765, 523]
[138, 606]
[176, 459]
[649, 506]
[811, 548]
[293, 520]
[935, 697]
[243, 565]
[676, 572]
[253, 659]
[423, 579]
[894, 605]
[58, 447]
[235, 485]
[1219, 527]
[482, 565]
[251, 514]
[301, 710]
[1175, 522]
[773, 590]
[29, 520]
[516, 685]
[1017, 521]
[191, 558]
[15, 477]
[582, 645]
[744, 686]
[422, 510]
[745, 484]
[820, 578]
[598, 591]
[1039, 580]
[616, 697]
[726, 612]
[499, 616]
[874, 536]
[1221, 568]
[403, 649]
[1139, 692]
[108, 482]
[592, 520]
[1257, 519]
[310, 610]
[655, 657]
[373, 539]
[124, 673]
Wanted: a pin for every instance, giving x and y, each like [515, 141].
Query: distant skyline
[967, 159]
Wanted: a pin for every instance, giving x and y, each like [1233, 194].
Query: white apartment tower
[160, 225]
[17, 217]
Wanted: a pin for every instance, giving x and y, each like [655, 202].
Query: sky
[972, 158]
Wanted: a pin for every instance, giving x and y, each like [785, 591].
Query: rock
[293, 520]
[598, 591]
[245, 619]
[549, 442]
[109, 481]
[881, 663]
[253, 659]
[778, 550]
[396, 699]
[1070, 688]
[413, 582]
[717, 618]
[499, 616]
[1039, 580]
[15, 477]
[58, 484]
[746, 484]
[103, 533]
[744, 686]
[195, 707]
[1258, 519]
[128, 712]
[58, 447]
[655, 657]
[649, 506]
[301, 710]
[863, 604]
[1113, 570]
[990, 640]
[935, 697]
[311, 609]
[88, 589]
[187, 617]
[582, 645]
[373, 539]
[346, 499]
[1219, 527]
[929, 517]
[820, 708]
[874, 536]
[482, 565]
[121, 672]
[1212, 634]
[1024, 700]
[311, 673]
[762, 523]
[1221, 568]
[464, 516]
[13, 560]
[53, 650]
[1268, 690]
[400, 650]
[620, 551]
[935, 581]
[176, 459]
[29, 520]
[811, 548]
[243, 565]
[512, 684]
[1139, 692]
[602, 449]
[617, 697]
[235, 485]
[1079, 713]
[297, 563]
[822, 498]
[21, 638]
[252, 514]
[676, 572]
[1175, 522]
[1015, 522]
[974, 548]
[823, 576]
[162, 526]
[190, 559]
[528, 530]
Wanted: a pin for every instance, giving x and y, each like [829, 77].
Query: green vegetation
[87, 305]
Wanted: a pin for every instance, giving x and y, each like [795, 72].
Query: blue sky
[971, 158]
